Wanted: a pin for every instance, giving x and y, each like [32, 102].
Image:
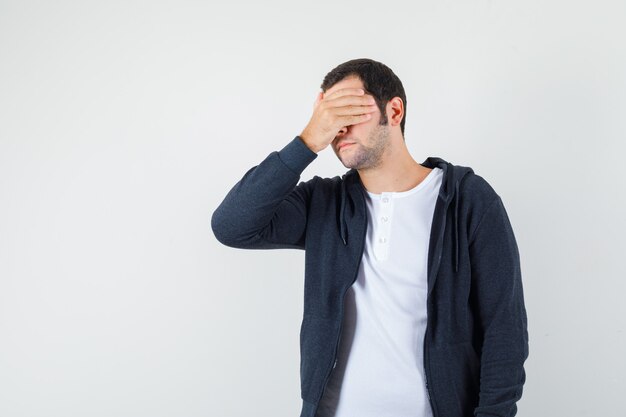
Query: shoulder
[323, 183]
[329, 183]
[321, 188]
[476, 188]
[477, 196]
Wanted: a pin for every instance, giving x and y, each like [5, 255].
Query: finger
[344, 92]
[352, 100]
[356, 119]
[355, 110]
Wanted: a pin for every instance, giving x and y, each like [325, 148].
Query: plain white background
[123, 124]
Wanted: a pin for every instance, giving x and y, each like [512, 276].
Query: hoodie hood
[453, 175]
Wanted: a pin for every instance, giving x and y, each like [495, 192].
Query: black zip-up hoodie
[476, 340]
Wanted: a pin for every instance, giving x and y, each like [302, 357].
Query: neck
[396, 172]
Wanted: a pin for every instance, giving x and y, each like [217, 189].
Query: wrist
[308, 145]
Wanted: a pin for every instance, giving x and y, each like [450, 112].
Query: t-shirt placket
[382, 240]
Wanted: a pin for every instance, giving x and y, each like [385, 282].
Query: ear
[397, 109]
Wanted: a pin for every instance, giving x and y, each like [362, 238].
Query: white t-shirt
[380, 366]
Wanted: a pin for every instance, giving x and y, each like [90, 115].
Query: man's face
[369, 138]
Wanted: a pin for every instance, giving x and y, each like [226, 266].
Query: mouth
[344, 145]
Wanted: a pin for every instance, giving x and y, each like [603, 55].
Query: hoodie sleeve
[267, 208]
[499, 302]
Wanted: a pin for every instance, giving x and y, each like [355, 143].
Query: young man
[413, 302]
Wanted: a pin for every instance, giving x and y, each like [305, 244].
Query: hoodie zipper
[426, 359]
[343, 296]
[426, 371]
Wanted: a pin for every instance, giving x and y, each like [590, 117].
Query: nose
[342, 131]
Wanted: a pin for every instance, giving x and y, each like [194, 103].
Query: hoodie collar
[453, 175]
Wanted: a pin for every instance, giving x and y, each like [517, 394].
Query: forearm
[244, 217]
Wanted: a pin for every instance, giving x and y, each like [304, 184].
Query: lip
[343, 145]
